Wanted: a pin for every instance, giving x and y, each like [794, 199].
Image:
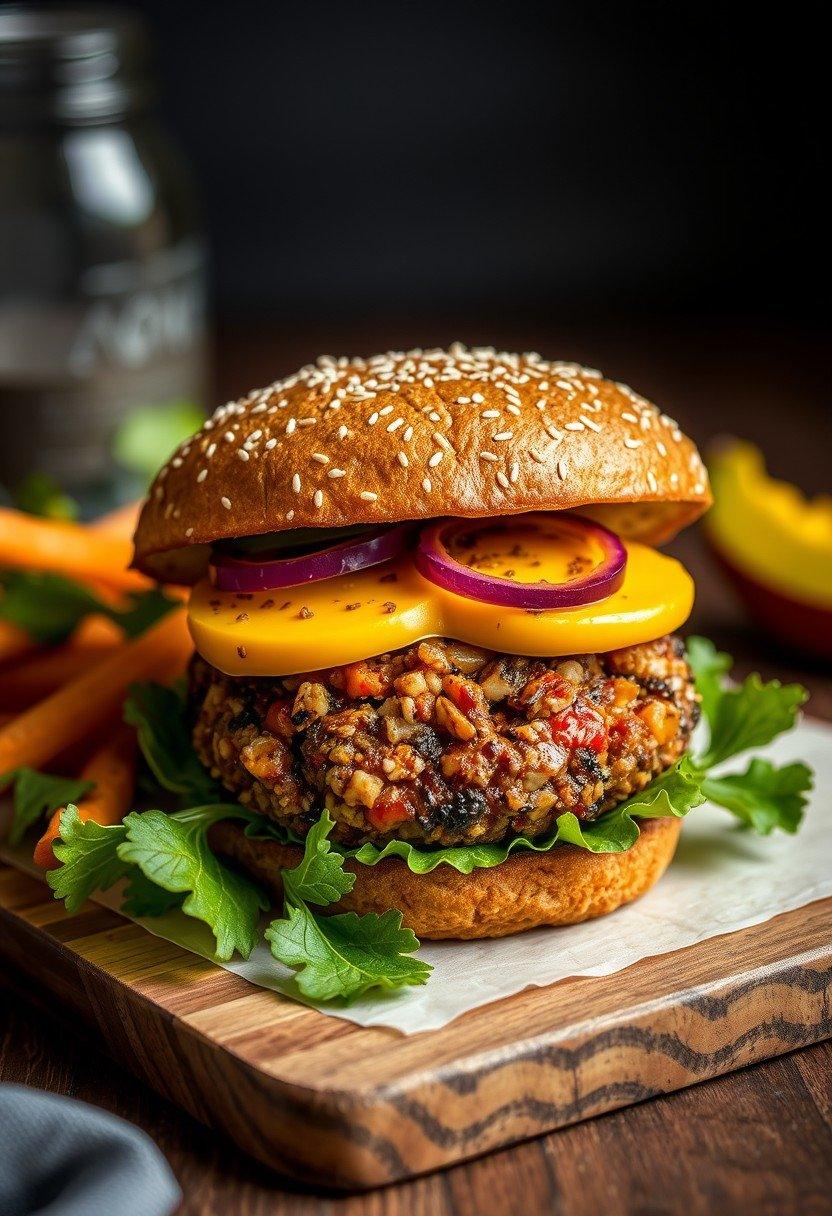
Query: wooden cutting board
[329, 1102]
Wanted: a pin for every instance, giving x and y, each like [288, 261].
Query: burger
[427, 602]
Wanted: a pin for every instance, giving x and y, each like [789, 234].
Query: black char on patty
[444, 743]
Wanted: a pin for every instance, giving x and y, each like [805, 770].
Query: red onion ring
[434, 561]
[229, 573]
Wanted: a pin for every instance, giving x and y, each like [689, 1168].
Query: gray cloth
[59, 1157]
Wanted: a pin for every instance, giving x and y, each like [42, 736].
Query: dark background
[598, 158]
[637, 186]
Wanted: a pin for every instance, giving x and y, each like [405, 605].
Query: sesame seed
[514, 473]
[651, 480]
[503, 436]
[463, 400]
[434, 417]
[318, 498]
[541, 404]
[427, 485]
[394, 426]
[407, 434]
[403, 461]
[242, 454]
[503, 480]
[699, 488]
[628, 417]
[229, 436]
[296, 483]
[209, 451]
[290, 515]
[629, 442]
[270, 443]
[535, 455]
[388, 409]
[563, 469]
[307, 421]
[201, 475]
[513, 409]
[591, 423]
[290, 426]
[574, 426]
[489, 456]
[490, 414]
[320, 457]
[435, 459]
[368, 496]
[226, 502]
[477, 398]
[660, 448]
[336, 473]
[373, 419]
[189, 532]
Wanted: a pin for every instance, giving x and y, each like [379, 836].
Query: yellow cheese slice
[356, 616]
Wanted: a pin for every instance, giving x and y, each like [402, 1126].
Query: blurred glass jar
[102, 264]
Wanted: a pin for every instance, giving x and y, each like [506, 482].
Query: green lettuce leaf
[49, 606]
[763, 797]
[739, 718]
[345, 955]
[172, 852]
[37, 794]
[710, 669]
[89, 859]
[673, 794]
[320, 877]
[158, 714]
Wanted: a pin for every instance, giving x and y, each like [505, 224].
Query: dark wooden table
[757, 1141]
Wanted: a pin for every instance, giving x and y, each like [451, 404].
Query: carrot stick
[29, 543]
[119, 522]
[94, 698]
[15, 643]
[112, 768]
[29, 681]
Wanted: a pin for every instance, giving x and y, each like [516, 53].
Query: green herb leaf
[37, 794]
[158, 714]
[49, 607]
[143, 898]
[749, 716]
[320, 877]
[345, 955]
[710, 668]
[150, 433]
[89, 859]
[763, 797]
[173, 853]
[41, 495]
[338, 956]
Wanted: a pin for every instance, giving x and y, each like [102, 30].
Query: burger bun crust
[565, 886]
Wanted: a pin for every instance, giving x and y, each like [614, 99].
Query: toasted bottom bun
[562, 887]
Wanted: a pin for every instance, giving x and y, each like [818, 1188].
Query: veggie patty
[444, 743]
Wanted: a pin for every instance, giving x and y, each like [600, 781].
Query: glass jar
[102, 263]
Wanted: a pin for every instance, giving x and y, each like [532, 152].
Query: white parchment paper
[722, 879]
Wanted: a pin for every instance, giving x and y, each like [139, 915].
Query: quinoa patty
[444, 743]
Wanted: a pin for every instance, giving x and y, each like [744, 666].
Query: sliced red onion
[436, 563]
[240, 574]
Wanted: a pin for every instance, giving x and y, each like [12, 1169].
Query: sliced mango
[767, 530]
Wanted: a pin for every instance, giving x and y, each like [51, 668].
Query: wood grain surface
[324, 1100]
[757, 1140]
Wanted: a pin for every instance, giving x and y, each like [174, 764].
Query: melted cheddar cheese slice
[341, 620]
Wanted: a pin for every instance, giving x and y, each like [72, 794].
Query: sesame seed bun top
[415, 435]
